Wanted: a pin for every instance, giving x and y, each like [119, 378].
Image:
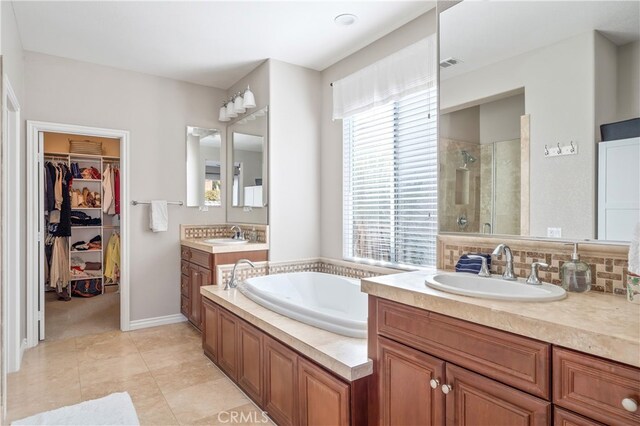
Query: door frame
[34, 216]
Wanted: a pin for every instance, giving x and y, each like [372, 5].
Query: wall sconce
[238, 104]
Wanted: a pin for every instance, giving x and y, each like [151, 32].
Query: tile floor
[163, 368]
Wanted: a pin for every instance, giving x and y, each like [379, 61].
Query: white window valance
[407, 71]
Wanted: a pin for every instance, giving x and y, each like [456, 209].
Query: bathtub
[330, 302]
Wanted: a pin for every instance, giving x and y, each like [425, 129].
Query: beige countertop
[345, 356]
[594, 323]
[199, 244]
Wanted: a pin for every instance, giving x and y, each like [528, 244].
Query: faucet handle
[484, 269]
[533, 276]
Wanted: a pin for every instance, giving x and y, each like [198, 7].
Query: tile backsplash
[328, 266]
[608, 262]
[222, 231]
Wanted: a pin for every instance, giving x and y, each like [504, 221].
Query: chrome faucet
[533, 276]
[508, 275]
[232, 281]
[237, 234]
[484, 269]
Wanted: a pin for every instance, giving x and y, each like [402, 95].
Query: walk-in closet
[81, 208]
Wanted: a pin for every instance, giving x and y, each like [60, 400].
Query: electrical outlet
[554, 232]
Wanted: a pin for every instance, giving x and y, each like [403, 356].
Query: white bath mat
[114, 409]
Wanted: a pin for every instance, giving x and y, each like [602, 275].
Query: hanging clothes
[107, 194]
[112, 259]
[59, 273]
[116, 181]
[64, 226]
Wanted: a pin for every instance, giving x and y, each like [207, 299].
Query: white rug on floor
[114, 409]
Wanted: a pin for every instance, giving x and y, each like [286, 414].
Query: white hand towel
[634, 251]
[158, 216]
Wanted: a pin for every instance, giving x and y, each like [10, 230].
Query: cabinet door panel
[185, 284]
[250, 363]
[280, 383]
[194, 294]
[228, 343]
[210, 330]
[324, 400]
[406, 396]
[185, 306]
[477, 400]
[204, 278]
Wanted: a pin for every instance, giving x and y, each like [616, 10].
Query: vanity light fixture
[231, 112]
[248, 100]
[238, 104]
[345, 19]
[223, 113]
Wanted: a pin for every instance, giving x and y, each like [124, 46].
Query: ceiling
[214, 43]
[244, 142]
[501, 30]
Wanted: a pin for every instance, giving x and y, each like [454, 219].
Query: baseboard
[156, 321]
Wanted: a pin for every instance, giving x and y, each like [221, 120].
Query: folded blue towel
[472, 266]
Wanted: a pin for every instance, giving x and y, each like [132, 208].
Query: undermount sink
[225, 241]
[495, 288]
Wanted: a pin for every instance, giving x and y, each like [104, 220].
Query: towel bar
[135, 203]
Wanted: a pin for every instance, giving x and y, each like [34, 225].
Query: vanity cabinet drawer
[517, 361]
[201, 258]
[184, 285]
[185, 306]
[595, 387]
[184, 267]
[185, 253]
[567, 418]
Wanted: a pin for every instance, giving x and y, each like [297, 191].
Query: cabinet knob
[446, 389]
[630, 405]
[434, 383]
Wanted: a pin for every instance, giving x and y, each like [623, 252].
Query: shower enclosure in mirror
[248, 148]
[519, 79]
[204, 176]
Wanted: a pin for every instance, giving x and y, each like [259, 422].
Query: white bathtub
[330, 302]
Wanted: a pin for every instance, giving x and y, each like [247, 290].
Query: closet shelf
[86, 251]
[88, 277]
[86, 208]
[86, 180]
[85, 227]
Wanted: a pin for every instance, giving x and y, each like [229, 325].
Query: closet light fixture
[249, 101]
[223, 113]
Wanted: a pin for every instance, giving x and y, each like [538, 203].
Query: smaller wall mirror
[249, 171]
[204, 163]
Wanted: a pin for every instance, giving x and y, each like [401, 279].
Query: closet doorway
[77, 226]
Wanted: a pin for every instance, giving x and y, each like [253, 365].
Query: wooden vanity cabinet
[292, 389]
[483, 376]
[198, 269]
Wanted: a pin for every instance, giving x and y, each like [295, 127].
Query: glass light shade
[231, 113]
[249, 99]
[238, 106]
[223, 114]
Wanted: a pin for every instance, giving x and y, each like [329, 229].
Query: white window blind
[390, 182]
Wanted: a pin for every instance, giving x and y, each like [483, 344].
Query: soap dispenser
[576, 274]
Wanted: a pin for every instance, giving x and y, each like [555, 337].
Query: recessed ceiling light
[345, 19]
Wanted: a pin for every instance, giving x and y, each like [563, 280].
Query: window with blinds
[390, 182]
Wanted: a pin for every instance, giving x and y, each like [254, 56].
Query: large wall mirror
[204, 176]
[524, 89]
[248, 182]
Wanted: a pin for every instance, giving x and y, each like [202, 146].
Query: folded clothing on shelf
[93, 266]
[85, 198]
[79, 218]
[94, 244]
[84, 172]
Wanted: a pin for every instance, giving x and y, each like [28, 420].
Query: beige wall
[629, 81]
[500, 120]
[294, 158]
[258, 81]
[564, 74]
[156, 111]
[461, 125]
[331, 131]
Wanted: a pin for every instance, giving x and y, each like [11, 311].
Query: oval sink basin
[225, 241]
[495, 288]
